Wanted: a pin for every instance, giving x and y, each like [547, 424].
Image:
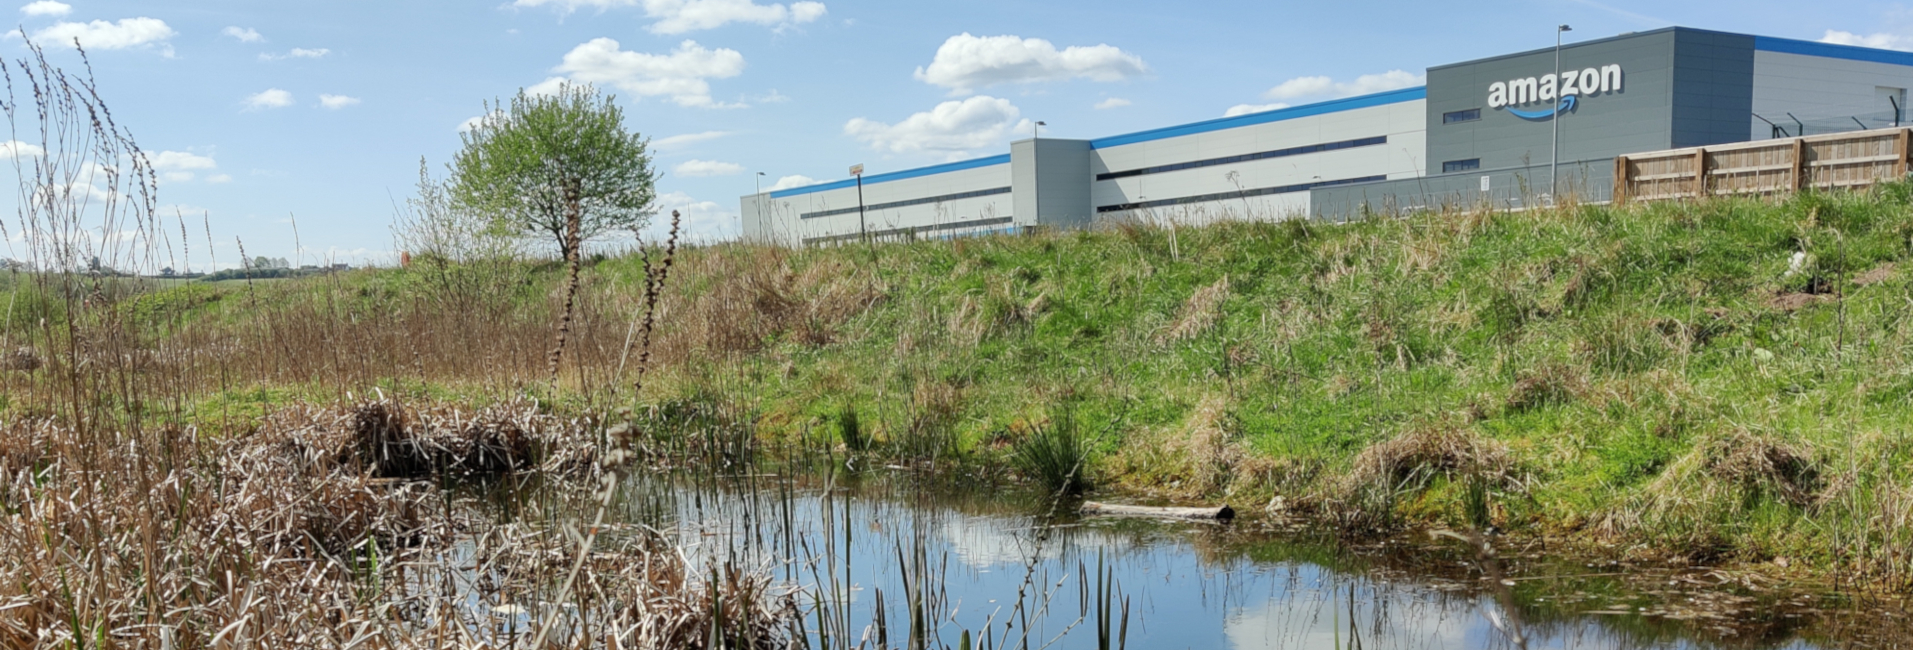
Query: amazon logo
[1560, 91]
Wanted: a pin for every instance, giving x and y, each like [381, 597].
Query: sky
[261, 115]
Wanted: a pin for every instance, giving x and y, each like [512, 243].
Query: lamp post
[1554, 142]
[760, 206]
[1036, 174]
[862, 233]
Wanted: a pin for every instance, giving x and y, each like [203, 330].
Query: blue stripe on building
[1831, 51]
[896, 176]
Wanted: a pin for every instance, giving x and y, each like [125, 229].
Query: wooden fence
[1838, 161]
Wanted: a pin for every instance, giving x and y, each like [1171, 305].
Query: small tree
[561, 166]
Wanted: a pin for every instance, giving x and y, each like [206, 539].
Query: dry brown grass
[1200, 313]
[284, 538]
[1382, 475]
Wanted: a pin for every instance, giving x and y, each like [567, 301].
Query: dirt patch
[1794, 301]
[1879, 274]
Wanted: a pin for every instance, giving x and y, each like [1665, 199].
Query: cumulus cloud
[219, 178]
[680, 16]
[103, 35]
[1880, 40]
[16, 149]
[681, 75]
[702, 220]
[469, 124]
[1245, 109]
[244, 34]
[46, 8]
[336, 102]
[271, 98]
[952, 127]
[1328, 88]
[687, 139]
[696, 168]
[297, 53]
[794, 180]
[1113, 102]
[172, 161]
[965, 62]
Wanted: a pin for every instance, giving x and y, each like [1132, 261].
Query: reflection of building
[1479, 131]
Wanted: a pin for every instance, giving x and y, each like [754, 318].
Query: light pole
[1554, 142]
[862, 233]
[760, 206]
[1036, 174]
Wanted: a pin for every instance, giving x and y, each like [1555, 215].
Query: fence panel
[1850, 160]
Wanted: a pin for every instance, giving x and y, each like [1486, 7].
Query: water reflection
[984, 560]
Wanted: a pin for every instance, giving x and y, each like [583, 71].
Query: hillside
[1723, 381]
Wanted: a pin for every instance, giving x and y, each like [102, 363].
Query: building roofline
[895, 176]
[1265, 117]
[1831, 51]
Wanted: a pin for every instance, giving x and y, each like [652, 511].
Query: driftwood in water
[1219, 513]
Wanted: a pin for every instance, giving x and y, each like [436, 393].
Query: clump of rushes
[1057, 455]
[850, 429]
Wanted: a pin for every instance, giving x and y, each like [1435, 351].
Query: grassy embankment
[1667, 380]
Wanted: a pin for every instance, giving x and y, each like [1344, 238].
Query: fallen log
[1223, 513]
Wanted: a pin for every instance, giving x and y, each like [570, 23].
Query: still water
[1019, 570]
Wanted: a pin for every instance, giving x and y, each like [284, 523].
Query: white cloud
[681, 75]
[176, 177]
[244, 34]
[174, 161]
[687, 139]
[965, 62]
[297, 53]
[1330, 88]
[16, 149]
[1245, 109]
[1113, 102]
[1880, 40]
[702, 220]
[272, 98]
[549, 86]
[219, 178]
[102, 35]
[680, 16]
[469, 124]
[696, 168]
[336, 102]
[46, 8]
[795, 180]
[952, 127]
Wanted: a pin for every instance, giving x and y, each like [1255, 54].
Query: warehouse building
[1506, 130]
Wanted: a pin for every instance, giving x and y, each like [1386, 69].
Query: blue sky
[322, 110]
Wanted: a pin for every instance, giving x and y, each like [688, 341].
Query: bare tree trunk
[573, 249]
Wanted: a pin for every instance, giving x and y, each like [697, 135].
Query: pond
[886, 558]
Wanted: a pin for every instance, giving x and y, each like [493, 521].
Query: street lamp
[760, 206]
[1554, 144]
[1036, 174]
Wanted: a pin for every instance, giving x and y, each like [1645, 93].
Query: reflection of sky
[1184, 593]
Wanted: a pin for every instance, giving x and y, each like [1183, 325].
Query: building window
[1469, 115]
[1453, 166]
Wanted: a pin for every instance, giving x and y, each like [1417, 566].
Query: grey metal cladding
[1054, 174]
[1714, 87]
[1601, 126]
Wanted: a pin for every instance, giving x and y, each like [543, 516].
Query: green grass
[1605, 349]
